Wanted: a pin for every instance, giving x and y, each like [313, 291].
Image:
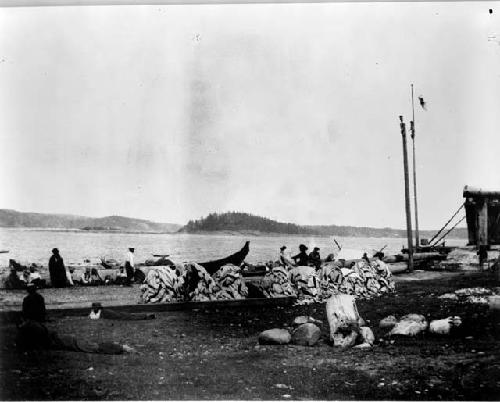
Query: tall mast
[412, 128]
[407, 196]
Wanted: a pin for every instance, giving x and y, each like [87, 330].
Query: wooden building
[482, 209]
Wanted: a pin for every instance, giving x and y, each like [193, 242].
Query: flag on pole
[422, 102]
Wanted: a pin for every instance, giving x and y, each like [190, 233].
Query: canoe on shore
[235, 259]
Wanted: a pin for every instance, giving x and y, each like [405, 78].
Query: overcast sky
[287, 111]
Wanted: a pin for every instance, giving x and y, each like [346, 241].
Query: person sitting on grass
[91, 277]
[34, 305]
[85, 277]
[36, 278]
[13, 281]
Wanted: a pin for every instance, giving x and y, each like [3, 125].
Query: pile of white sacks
[360, 278]
[191, 282]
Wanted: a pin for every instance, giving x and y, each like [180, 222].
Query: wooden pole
[412, 127]
[407, 196]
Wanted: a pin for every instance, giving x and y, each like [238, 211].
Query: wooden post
[482, 227]
[412, 128]
[407, 196]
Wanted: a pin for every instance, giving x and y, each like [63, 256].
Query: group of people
[60, 276]
[302, 258]
[28, 275]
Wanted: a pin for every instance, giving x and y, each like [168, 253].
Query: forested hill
[16, 219]
[238, 221]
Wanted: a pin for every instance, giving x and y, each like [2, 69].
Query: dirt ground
[214, 354]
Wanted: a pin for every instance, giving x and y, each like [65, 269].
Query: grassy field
[214, 354]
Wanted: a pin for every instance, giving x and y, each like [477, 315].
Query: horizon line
[184, 224]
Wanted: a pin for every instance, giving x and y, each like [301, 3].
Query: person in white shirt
[35, 278]
[129, 266]
[284, 258]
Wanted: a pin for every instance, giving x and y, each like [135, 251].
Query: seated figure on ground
[35, 278]
[34, 305]
[13, 281]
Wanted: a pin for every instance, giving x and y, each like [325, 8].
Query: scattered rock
[345, 338]
[388, 322]
[450, 296]
[444, 326]
[275, 336]
[410, 325]
[366, 335]
[304, 319]
[306, 335]
[362, 346]
[128, 349]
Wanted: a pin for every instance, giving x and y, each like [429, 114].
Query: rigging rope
[446, 224]
[446, 234]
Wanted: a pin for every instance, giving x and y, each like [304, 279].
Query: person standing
[129, 266]
[57, 270]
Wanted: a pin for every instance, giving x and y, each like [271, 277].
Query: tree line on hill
[229, 221]
[239, 221]
[235, 221]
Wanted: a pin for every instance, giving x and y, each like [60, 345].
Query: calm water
[35, 245]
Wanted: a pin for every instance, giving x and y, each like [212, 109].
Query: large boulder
[275, 336]
[410, 325]
[306, 334]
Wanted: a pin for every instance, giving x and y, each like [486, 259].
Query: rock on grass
[306, 334]
[275, 336]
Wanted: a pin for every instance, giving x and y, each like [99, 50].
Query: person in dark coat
[13, 281]
[315, 258]
[57, 270]
[301, 259]
[33, 305]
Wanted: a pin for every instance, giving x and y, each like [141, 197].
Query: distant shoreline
[253, 233]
